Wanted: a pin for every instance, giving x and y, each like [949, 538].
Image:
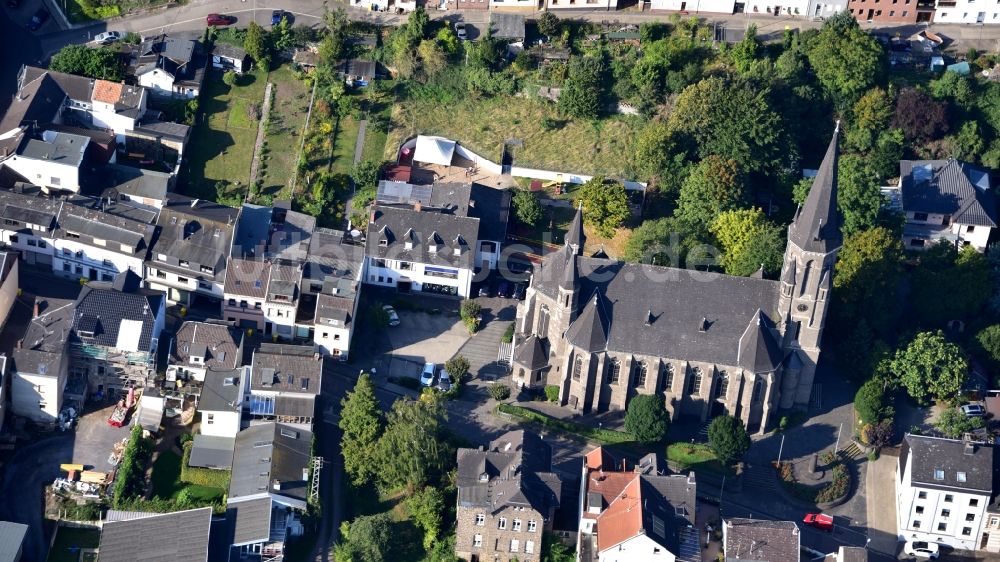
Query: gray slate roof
[217, 344]
[102, 307]
[221, 391]
[948, 187]
[507, 26]
[852, 554]
[135, 182]
[196, 231]
[252, 518]
[38, 100]
[931, 454]
[212, 451]
[283, 368]
[29, 207]
[120, 235]
[394, 226]
[682, 303]
[228, 51]
[517, 472]
[816, 227]
[11, 537]
[45, 340]
[759, 350]
[531, 353]
[247, 278]
[270, 449]
[761, 540]
[63, 148]
[181, 536]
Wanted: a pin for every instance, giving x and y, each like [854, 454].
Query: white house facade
[943, 488]
[946, 201]
[695, 6]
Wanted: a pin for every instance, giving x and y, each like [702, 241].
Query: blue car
[277, 16]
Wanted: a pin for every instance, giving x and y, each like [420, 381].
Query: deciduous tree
[411, 448]
[605, 204]
[930, 366]
[714, 186]
[583, 92]
[527, 207]
[920, 117]
[255, 44]
[432, 57]
[749, 241]
[368, 539]
[952, 423]
[846, 59]
[549, 24]
[426, 508]
[870, 116]
[870, 401]
[102, 63]
[859, 198]
[866, 278]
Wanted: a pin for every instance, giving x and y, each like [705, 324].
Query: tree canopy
[583, 92]
[728, 439]
[930, 367]
[749, 242]
[527, 207]
[102, 63]
[411, 448]
[846, 59]
[714, 186]
[866, 278]
[605, 203]
[361, 424]
[647, 419]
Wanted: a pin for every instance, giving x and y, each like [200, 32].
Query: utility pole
[837, 448]
[781, 447]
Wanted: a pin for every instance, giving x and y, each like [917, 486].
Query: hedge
[131, 478]
[211, 477]
[607, 436]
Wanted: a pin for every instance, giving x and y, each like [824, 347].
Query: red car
[819, 520]
[219, 19]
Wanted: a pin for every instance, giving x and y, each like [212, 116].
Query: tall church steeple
[807, 277]
[574, 235]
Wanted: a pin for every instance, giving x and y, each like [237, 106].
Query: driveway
[95, 439]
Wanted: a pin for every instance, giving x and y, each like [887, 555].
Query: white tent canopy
[434, 150]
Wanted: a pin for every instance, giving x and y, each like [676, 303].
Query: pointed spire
[574, 235]
[816, 227]
[569, 270]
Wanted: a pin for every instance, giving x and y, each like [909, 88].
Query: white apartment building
[695, 6]
[966, 11]
[943, 488]
[51, 162]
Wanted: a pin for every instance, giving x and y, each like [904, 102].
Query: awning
[434, 150]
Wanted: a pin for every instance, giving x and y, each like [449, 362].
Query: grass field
[221, 146]
[284, 133]
[694, 457]
[343, 145]
[68, 542]
[482, 125]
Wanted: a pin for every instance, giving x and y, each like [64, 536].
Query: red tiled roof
[608, 484]
[622, 519]
[107, 92]
[398, 172]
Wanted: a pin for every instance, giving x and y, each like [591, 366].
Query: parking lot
[95, 439]
[423, 337]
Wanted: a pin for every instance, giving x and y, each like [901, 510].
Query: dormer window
[938, 474]
[484, 477]
[383, 242]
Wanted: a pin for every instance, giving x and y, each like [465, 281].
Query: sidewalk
[881, 493]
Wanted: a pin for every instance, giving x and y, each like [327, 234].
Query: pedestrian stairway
[852, 452]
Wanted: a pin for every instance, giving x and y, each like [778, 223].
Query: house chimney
[418, 206]
[276, 485]
[35, 309]
[969, 449]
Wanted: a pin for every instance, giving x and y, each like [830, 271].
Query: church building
[604, 331]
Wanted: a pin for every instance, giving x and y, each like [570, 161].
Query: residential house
[946, 200]
[28, 224]
[777, 7]
[245, 291]
[902, 11]
[148, 189]
[989, 539]
[695, 7]
[180, 536]
[943, 488]
[91, 244]
[220, 406]
[12, 541]
[635, 515]
[359, 72]
[189, 261]
[524, 6]
[115, 334]
[507, 498]
[40, 369]
[10, 267]
[760, 540]
[604, 331]
[284, 383]
[965, 11]
[281, 300]
[269, 488]
[230, 57]
[331, 281]
[51, 162]
[200, 347]
[371, 5]
[171, 65]
[465, 4]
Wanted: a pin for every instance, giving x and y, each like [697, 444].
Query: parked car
[484, 290]
[220, 19]
[38, 20]
[108, 37]
[391, 313]
[504, 290]
[921, 549]
[460, 31]
[427, 376]
[277, 16]
[519, 291]
[819, 520]
[974, 410]
[444, 381]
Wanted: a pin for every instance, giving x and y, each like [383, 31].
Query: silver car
[108, 37]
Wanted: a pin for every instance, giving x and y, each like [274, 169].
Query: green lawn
[343, 145]
[284, 132]
[221, 146]
[69, 541]
[167, 483]
[698, 457]
[482, 125]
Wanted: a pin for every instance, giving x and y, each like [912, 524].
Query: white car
[460, 30]
[427, 376]
[974, 410]
[391, 313]
[108, 37]
[921, 549]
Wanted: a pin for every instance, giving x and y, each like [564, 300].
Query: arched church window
[640, 375]
[694, 385]
[577, 367]
[614, 371]
[722, 389]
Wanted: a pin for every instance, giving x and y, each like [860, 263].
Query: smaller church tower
[814, 238]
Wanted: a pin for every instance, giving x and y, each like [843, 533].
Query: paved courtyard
[95, 439]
